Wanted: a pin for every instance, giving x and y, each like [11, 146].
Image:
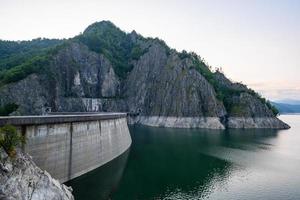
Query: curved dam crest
[68, 146]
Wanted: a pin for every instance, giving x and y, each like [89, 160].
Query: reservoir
[166, 163]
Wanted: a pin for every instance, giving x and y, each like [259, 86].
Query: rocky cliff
[106, 69]
[21, 179]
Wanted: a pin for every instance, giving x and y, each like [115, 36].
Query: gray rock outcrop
[21, 179]
[256, 122]
[105, 69]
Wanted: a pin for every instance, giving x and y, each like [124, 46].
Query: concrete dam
[69, 145]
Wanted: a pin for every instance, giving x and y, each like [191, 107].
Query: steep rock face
[163, 90]
[251, 106]
[83, 73]
[165, 85]
[80, 73]
[29, 93]
[105, 69]
[242, 102]
[226, 83]
[246, 109]
[21, 179]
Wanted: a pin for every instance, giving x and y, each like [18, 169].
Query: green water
[168, 163]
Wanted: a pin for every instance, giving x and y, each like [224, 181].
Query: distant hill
[289, 101]
[287, 108]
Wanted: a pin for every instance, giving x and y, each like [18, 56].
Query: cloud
[277, 90]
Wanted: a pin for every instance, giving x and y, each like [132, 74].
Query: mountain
[15, 53]
[289, 101]
[106, 69]
[287, 108]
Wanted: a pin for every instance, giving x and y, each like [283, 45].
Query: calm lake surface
[166, 163]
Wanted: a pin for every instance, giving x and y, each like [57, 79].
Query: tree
[10, 139]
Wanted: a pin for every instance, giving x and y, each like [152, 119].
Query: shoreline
[209, 122]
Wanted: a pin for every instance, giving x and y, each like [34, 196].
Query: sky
[256, 42]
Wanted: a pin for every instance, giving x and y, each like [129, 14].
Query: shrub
[237, 110]
[10, 139]
[184, 54]
[225, 94]
[8, 108]
[105, 38]
[19, 72]
[272, 108]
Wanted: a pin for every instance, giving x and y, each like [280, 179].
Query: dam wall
[68, 146]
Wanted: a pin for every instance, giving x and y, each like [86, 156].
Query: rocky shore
[179, 122]
[257, 122]
[209, 122]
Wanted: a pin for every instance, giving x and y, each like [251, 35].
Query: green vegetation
[117, 46]
[272, 108]
[266, 102]
[184, 54]
[19, 59]
[8, 108]
[224, 94]
[202, 68]
[15, 53]
[33, 65]
[10, 139]
[237, 110]
[136, 52]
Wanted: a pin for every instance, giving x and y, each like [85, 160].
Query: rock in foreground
[21, 179]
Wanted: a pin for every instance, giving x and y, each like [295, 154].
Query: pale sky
[254, 41]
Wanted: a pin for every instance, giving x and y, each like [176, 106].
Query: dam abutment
[69, 145]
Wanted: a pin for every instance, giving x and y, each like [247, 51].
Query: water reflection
[184, 164]
[100, 183]
[169, 163]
